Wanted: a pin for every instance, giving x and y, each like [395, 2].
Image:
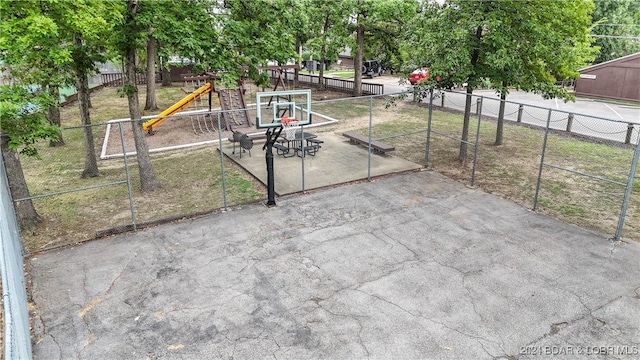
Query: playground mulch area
[190, 130]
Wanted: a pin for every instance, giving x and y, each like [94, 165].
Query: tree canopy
[616, 28]
[22, 118]
[529, 45]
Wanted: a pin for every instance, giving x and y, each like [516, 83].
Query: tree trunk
[166, 73]
[323, 52]
[82, 86]
[296, 71]
[465, 125]
[26, 213]
[500, 126]
[467, 106]
[148, 181]
[357, 62]
[53, 115]
[321, 72]
[151, 103]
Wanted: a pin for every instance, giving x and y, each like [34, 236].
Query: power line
[616, 37]
[636, 25]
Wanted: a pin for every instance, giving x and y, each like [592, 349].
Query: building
[615, 79]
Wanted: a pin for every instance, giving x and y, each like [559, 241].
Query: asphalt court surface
[410, 266]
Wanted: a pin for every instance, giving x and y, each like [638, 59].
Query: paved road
[616, 129]
[413, 266]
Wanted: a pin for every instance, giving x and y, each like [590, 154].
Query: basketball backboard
[272, 106]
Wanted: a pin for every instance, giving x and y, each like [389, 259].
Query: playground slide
[151, 124]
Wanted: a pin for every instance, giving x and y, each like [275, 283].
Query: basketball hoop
[290, 126]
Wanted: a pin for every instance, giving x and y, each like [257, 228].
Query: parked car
[419, 75]
[371, 68]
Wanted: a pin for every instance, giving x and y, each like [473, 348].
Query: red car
[419, 75]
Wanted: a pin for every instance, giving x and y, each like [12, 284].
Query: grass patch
[510, 170]
[343, 109]
[191, 180]
[343, 74]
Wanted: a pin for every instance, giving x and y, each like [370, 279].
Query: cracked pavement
[413, 266]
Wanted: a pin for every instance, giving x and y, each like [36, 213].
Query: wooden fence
[335, 84]
[115, 79]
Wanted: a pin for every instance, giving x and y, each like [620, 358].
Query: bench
[317, 142]
[283, 150]
[308, 150]
[377, 146]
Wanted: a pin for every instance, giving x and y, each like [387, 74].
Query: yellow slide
[151, 124]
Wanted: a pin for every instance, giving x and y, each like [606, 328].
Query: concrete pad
[337, 162]
[413, 266]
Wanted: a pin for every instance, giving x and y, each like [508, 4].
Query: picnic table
[302, 144]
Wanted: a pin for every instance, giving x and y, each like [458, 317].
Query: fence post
[520, 110]
[627, 193]
[224, 178]
[128, 174]
[570, 122]
[478, 105]
[627, 139]
[475, 146]
[426, 155]
[544, 149]
[442, 100]
[370, 133]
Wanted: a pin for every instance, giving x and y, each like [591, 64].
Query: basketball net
[290, 126]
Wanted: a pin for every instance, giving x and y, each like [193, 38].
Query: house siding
[616, 79]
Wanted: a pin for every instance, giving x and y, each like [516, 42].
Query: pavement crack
[444, 325]
[405, 246]
[135, 255]
[348, 316]
[55, 341]
[556, 328]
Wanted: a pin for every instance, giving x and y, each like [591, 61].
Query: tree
[252, 33]
[372, 20]
[327, 36]
[129, 42]
[173, 28]
[56, 44]
[88, 36]
[32, 50]
[516, 64]
[617, 27]
[506, 42]
[22, 124]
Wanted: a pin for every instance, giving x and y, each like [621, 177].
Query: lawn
[191, 180]
[342, 74]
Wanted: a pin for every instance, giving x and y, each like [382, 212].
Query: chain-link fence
[577, 167]
[583, 178]
[79, 201]
[17, 339]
